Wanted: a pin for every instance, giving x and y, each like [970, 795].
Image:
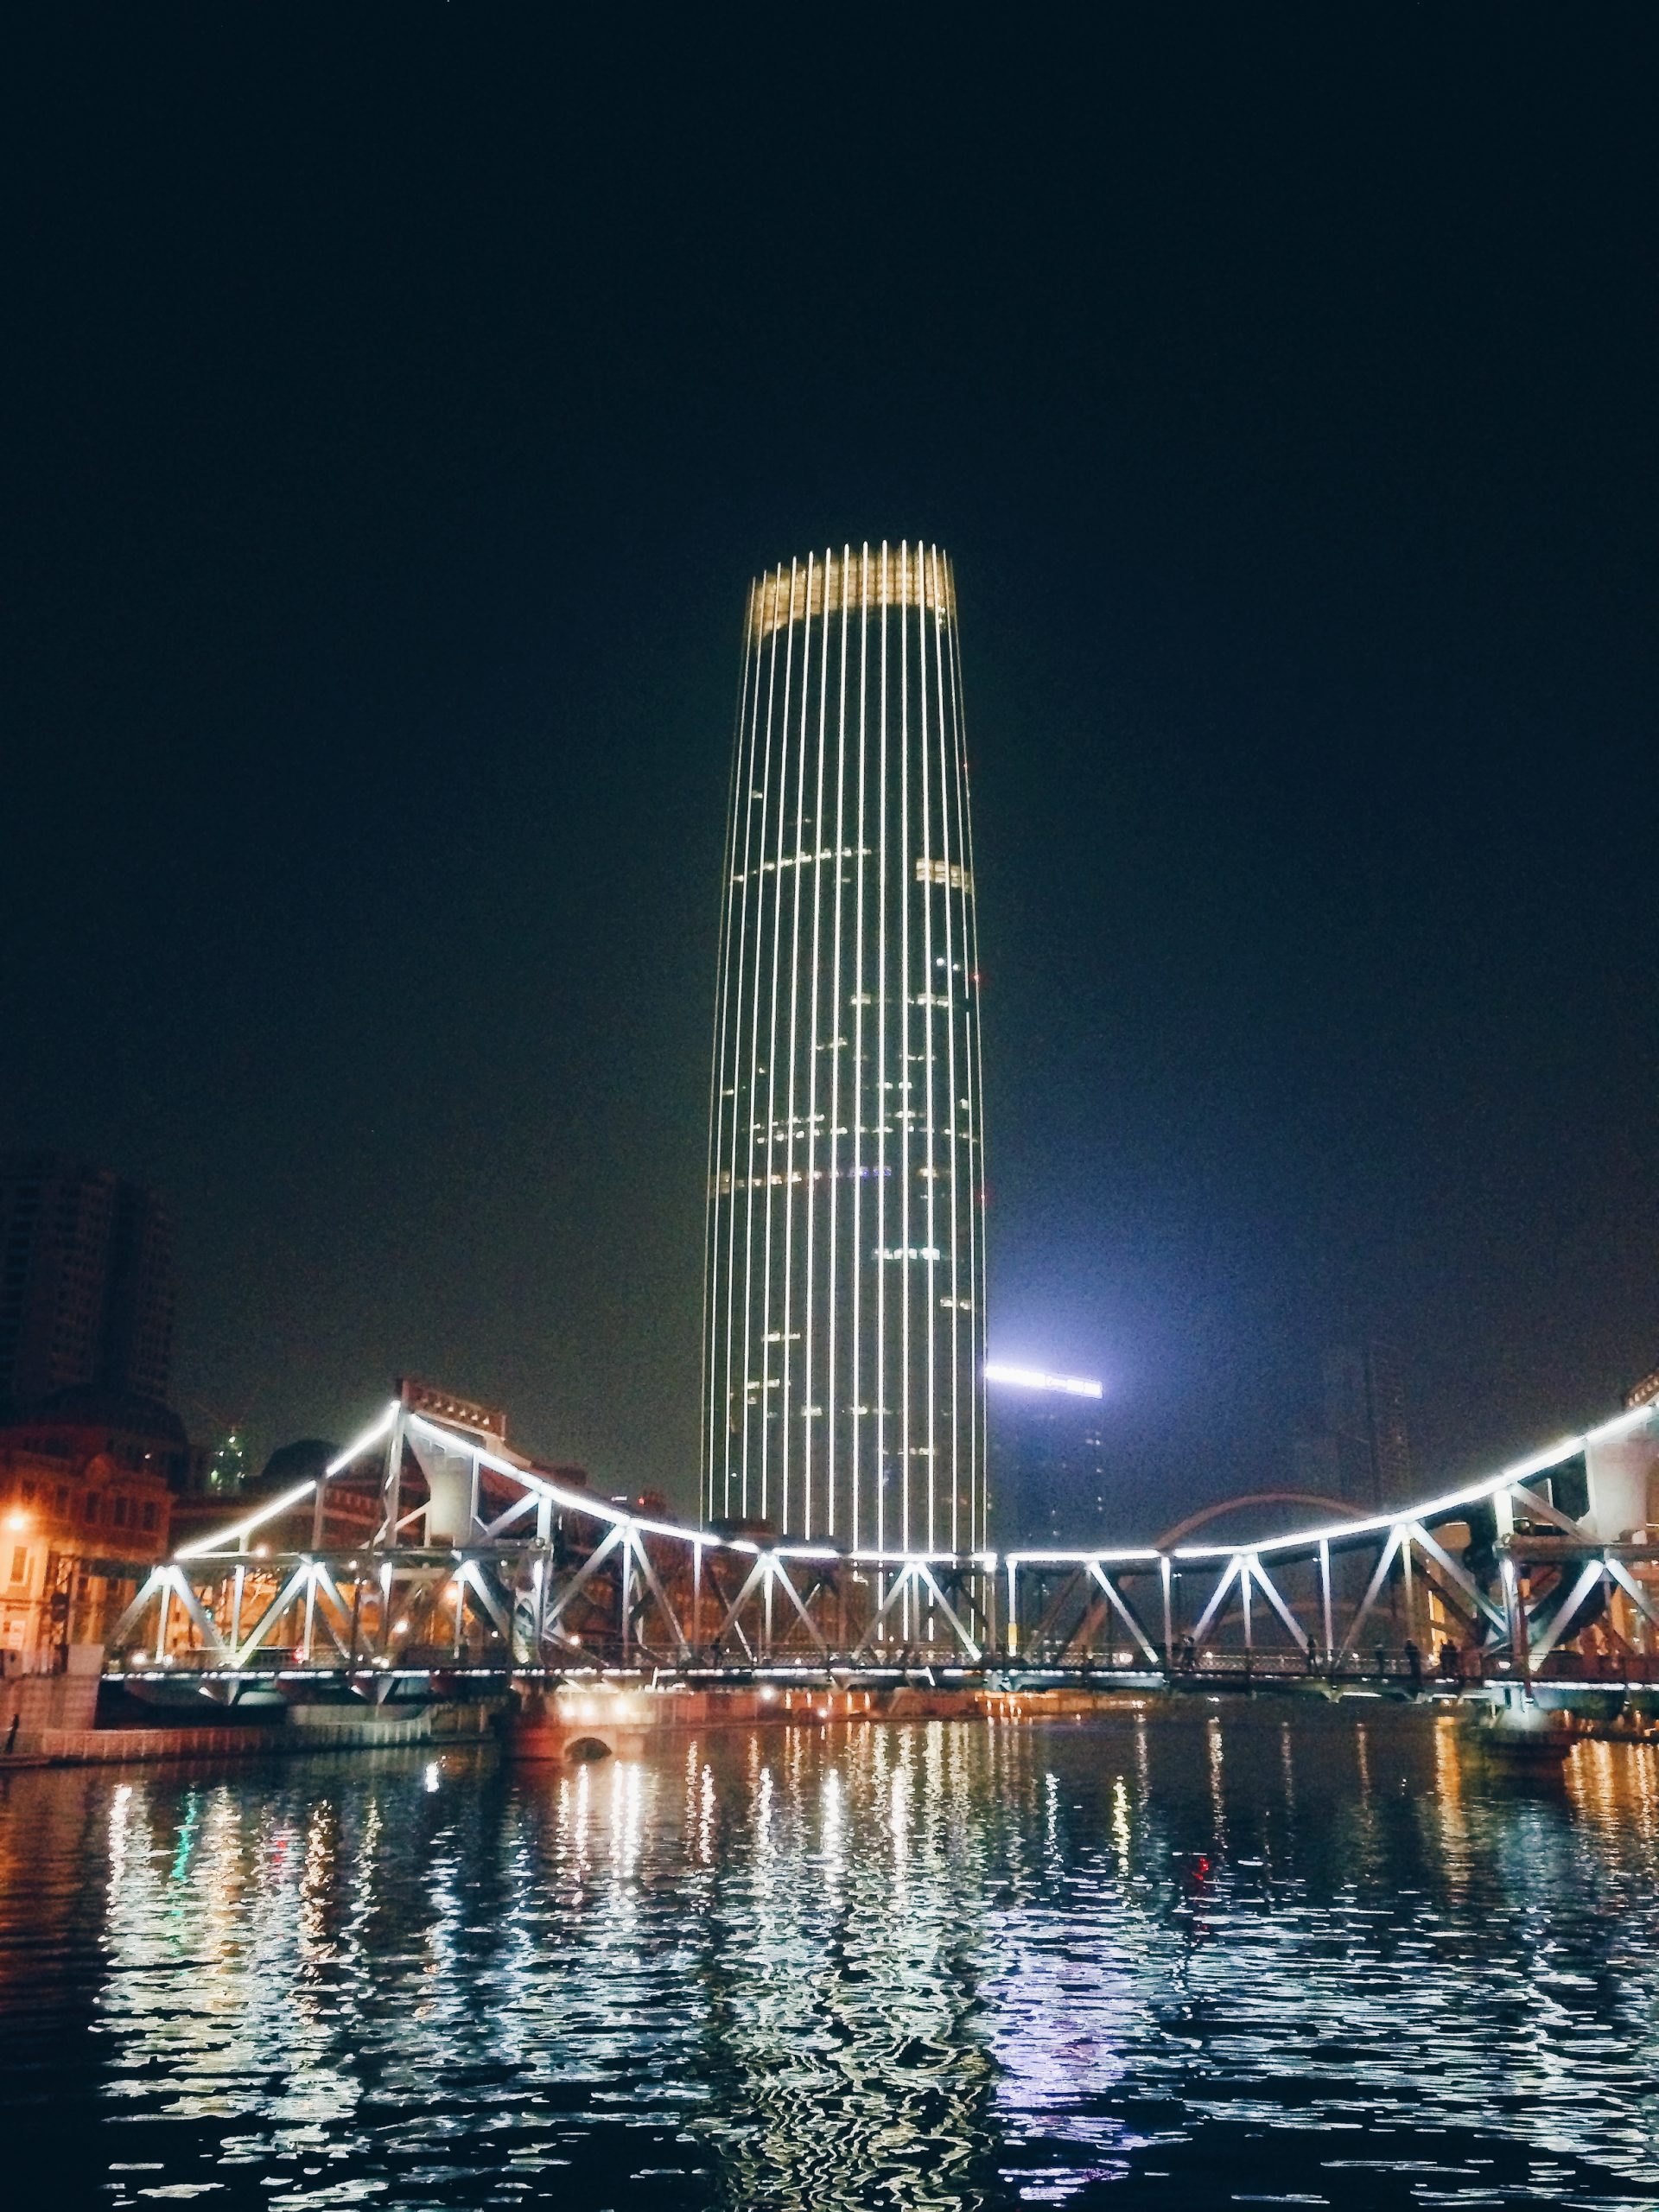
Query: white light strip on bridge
[987, 1560]
[1536, 1462]
[230, 1538]
[1143, 1556]
[602, 1509]
[1033, 1378]
[585, 1501]
[371, 1434]
[575, 1501]
[579, 1501]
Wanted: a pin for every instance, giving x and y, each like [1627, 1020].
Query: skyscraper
[85, 1280]
[845, 1276]
[1048, 1477]
[1363, 1455]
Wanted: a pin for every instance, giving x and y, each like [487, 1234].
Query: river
[1240, 1953]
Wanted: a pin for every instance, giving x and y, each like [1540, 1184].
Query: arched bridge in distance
[428, 1561]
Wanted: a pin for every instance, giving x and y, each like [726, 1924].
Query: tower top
[867, 578]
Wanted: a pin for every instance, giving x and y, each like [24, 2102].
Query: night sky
[402, 399]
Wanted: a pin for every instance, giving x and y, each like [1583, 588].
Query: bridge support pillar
[554, 1728]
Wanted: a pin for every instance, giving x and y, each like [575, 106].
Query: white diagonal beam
[293, 1588]
[925, 1573]
[755, 1575]
[716, 1586]
[1544, 1510]
[138, 1605]
[1217, 1597]
[516, 1511]
[330, 1589]
[1543, 1645]
[206, 1626]
[1373, 1588]
[1259, 1574]
[584, 1574]
[322, 1584]
[901, 1582]
[1120, 1604]
[1457, 1574]
[471, 1578]
[642, 1560]
[1063, 1591]
[781, 1578]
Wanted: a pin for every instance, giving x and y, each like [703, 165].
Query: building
[227, 1465]
[1361, 1455]
[85, 1509]
[845, 1265]
[1048, 1476]
[85, 1281]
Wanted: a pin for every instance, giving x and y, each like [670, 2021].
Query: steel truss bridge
[470, 1562]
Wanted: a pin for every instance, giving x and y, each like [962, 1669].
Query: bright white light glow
[228, 1538]
[1033, 1378]
[371, 1434]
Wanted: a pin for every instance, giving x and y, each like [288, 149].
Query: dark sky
[402, 399]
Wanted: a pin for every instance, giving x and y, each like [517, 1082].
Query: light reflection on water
[1191, 1960]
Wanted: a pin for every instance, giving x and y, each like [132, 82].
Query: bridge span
[470, 1569]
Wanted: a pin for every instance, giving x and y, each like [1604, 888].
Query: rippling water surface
[1218, 1957]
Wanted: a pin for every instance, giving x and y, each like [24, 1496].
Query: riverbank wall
[301, 1729]
[55, 1717]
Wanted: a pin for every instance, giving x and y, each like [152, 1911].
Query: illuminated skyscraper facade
[845, 1278]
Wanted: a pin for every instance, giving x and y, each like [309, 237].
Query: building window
[20, 1563]
[149, 1517]
[89, 1511]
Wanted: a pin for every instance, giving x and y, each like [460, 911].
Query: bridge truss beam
[477, 1560]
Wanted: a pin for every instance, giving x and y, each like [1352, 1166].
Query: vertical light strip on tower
[844, 1291]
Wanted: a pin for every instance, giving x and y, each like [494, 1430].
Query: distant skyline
[403, 404]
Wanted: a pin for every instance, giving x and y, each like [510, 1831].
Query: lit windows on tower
[843, 1396]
